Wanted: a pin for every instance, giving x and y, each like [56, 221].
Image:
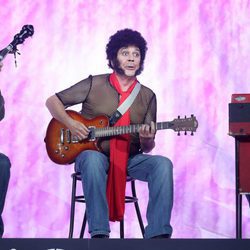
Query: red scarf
[119, 152]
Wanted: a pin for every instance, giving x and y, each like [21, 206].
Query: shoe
[100, 236]
[162, 236]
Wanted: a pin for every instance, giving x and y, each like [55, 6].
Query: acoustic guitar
[62, 147]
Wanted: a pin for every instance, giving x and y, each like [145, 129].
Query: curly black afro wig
[125, 38]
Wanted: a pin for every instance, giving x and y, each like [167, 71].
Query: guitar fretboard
[120, 130]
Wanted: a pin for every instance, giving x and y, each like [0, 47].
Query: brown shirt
[98, 97]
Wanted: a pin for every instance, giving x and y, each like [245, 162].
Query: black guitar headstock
[26, 31]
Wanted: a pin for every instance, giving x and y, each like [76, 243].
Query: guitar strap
[125, 105]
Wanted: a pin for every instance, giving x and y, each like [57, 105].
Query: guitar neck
[120, 130]
[5, 51]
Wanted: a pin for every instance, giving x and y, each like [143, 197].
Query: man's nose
[131, 58]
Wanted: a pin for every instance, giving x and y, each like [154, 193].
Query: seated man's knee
[164, 166]
[89, 160]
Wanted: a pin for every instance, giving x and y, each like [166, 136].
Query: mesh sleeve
[75, 94]
[151, 112]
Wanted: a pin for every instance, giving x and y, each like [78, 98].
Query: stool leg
[238, 216]
[83, 225]
[137, 208]
[122, 229]
[72, 209]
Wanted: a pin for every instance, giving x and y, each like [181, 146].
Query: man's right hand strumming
[78, 129]
[57, 110]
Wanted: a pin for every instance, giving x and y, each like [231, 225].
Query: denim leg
[93, 167]
[158, 172]
[4, 181]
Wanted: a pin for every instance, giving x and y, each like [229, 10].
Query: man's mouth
[130, 67]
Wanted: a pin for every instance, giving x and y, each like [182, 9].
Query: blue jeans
[156, 170]
[4, 181]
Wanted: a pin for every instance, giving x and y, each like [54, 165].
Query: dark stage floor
[128, 244]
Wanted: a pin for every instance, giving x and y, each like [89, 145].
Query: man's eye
[125, 53]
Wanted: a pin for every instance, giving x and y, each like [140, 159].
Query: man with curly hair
[4, 169]
[104, 172]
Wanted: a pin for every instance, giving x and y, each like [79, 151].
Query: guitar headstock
[185, 124]
[26, 31]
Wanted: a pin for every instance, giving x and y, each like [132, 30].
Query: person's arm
[57, 110]
[2, 110]
[147, 137]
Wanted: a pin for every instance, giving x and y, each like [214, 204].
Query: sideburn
[116, 67]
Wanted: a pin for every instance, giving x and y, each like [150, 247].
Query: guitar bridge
[91, 136]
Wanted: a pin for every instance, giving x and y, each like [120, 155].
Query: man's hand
[78, 129]
[57, 110]
[147, 132]
[147, 135]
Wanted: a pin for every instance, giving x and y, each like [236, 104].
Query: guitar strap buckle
[114, 118]
[125, 105]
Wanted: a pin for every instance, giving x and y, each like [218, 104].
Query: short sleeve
[75, 94]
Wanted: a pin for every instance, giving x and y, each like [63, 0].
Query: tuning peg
[192, 133]
[178, 133]
[192, 115]
[179, 117]
[185, 133]
[185, 117]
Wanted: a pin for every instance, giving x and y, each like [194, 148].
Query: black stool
[80, 198]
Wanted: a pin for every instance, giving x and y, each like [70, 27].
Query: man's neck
[125, 81]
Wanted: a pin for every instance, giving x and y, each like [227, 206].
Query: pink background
[199, 54]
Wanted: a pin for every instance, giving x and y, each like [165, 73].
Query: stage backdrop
[199, 54]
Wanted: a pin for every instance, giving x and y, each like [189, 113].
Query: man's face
[129, 60]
